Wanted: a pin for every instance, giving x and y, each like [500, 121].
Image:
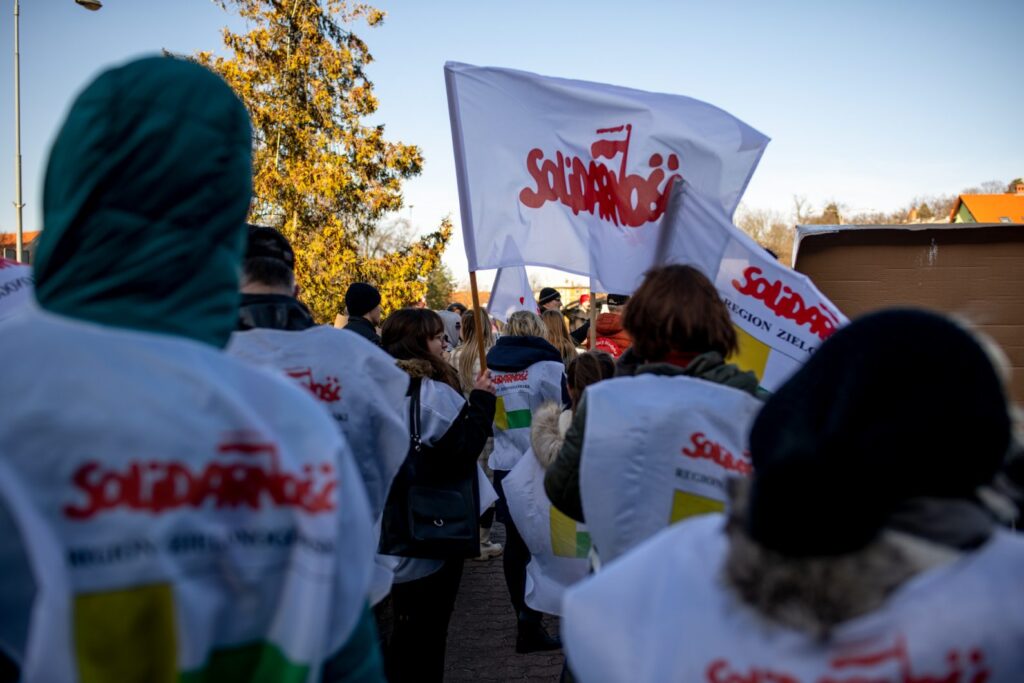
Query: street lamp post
[18, 204]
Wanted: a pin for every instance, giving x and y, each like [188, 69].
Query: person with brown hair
[551, 420]
[679, 326]
[453, 431]
[557, 334]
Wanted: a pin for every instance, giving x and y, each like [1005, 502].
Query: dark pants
[515, 557]
[419, 632]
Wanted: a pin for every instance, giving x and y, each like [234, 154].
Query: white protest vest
[558, 544]
[519, 394]
[356, 381]
[15, 286]
[208, 514]
[661, 613]
[657, 450]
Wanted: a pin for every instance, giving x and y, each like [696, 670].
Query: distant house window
[9, 253]
[27, 254]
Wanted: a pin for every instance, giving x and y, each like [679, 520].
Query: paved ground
[482, 634]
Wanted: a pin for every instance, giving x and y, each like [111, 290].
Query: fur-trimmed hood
[416, 368]
[816, 594]
[547, 432]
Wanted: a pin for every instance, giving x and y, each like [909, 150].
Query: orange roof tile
[9, 239]
[993, 208]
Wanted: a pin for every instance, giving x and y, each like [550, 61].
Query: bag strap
[414, 411]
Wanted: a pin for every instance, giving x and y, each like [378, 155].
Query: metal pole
[17, 136]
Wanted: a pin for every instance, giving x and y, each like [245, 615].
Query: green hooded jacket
[144, 203]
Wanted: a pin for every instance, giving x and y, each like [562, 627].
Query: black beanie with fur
[898, 405]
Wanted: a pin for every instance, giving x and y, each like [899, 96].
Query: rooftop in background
[9, 244]
[8, 239]
[989, 208]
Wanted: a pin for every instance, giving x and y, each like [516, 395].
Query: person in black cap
[362, 301]
[865, 543]
[549, 299]
[276, 329]
[268, 284]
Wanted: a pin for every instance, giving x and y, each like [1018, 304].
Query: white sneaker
[489, 550]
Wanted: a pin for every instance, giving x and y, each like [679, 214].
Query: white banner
[780, 315]
[558, 544]
[576, 175]
[15, 286]
[657, 451]
[511, 292]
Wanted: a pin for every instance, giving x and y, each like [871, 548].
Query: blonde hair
[524, 324]
[557, 333]
[467, 355]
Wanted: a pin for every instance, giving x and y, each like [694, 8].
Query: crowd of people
[199, 482]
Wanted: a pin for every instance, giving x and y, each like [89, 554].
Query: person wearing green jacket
[210, 512]
[679, 326]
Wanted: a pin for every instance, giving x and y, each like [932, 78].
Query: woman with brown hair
[557, 334]
[680, 326]
[452, 431]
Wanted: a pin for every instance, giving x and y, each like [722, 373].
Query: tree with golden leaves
[320, 175]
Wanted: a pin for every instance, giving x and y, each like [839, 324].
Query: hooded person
[860, 548]
[362, 303]
[528, 372]
[209, 515]
[354, 380]
[452, 331]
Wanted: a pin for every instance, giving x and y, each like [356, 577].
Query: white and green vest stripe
[519, 394]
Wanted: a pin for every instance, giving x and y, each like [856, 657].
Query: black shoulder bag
[433, 505]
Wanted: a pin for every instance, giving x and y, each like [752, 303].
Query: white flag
[779, 315]
[511, 292]
[575, 175]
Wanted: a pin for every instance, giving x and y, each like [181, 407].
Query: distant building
[990, 208]
[9, 245]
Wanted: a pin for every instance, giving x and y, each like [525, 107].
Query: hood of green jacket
[144, 203]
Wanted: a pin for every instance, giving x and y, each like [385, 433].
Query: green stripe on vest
[518, 419]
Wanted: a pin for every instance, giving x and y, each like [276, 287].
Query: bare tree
[993, 187]
[800, 208]
[390, 236]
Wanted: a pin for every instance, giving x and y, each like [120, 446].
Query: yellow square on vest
[126, 636]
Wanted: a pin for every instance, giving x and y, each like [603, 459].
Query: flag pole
[593, 316]
[478, 316]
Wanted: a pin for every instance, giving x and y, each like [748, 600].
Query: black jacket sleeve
[562, 479]
[579, 335]
[468, 434]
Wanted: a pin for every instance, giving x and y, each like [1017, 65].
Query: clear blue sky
[870, 103]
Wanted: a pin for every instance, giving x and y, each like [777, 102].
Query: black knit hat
[269, 243]
[898, 405]
[361, 298]
[547, 295]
